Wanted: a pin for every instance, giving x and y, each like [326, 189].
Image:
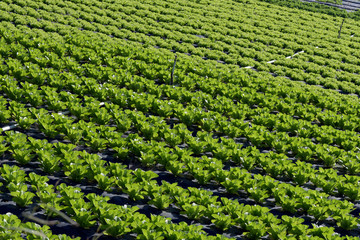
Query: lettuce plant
[222, 221]
[184, 199]
[149, 131]
[115, 227]
[8, 221]
[69, 157]
[62, 121]
[280, 146]
[138, 145]
[176, 167]
[257, 193]
[152, 189]
[256, 229]
[97, 144]
[147, 159]
[287, 203]
[232, 186]
[196, 145]
[150, 235]
[12, 187]
[37, 144]
[135, 191]
[37, 181]
[21, 115]
[328, 159]
[12, 174]
[121, 152]
[22, 155]
[174, 191]
[52, 99]
[164, 155]
[46, 126]
[21, 196]
[34, 98]
[47, 194]
[349, 145]
[211, 143]
[73, 134]
[122, 178]
[329, 186]
[144, 176]
[201, 175]
[68, 193]
[247, 162]
[274, 170]
[78, 111]
[82, 213]
[346, 221]
[186, 116]
[77, 172]
[161, 201]
[203, 197]
[101, 116]
[222, 152]
[193, 211]
[12, 90]
[24, 120]
[182, 131]
[304, 153]
[351, 166]
[122, 121]
[208, 124]
[4, 115]
[104, 182]
[220, 176]
[269, 183]
[352, 192]
[98, 202]
[307, 202]
[163, 109]
[294, 225]
[173, 234]
[277, 232]
[213, 209]
[172, 138]
[319, 212]
[231, 208]
[17, 140]
[300, 173]
[49, 162]
[49, 200]
[322, 232]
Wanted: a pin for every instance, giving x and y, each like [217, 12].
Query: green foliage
[222, 221]
[109, 97]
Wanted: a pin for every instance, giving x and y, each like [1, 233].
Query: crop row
[42, 117]
[145, 106]
[138, 185]
[299, 75]
[112, 219]
[122, 106]
[138, 36]
[157, 129]
[76, 136]
[291, 125]
[313, 99]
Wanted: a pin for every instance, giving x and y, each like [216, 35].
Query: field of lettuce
[177, 119]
